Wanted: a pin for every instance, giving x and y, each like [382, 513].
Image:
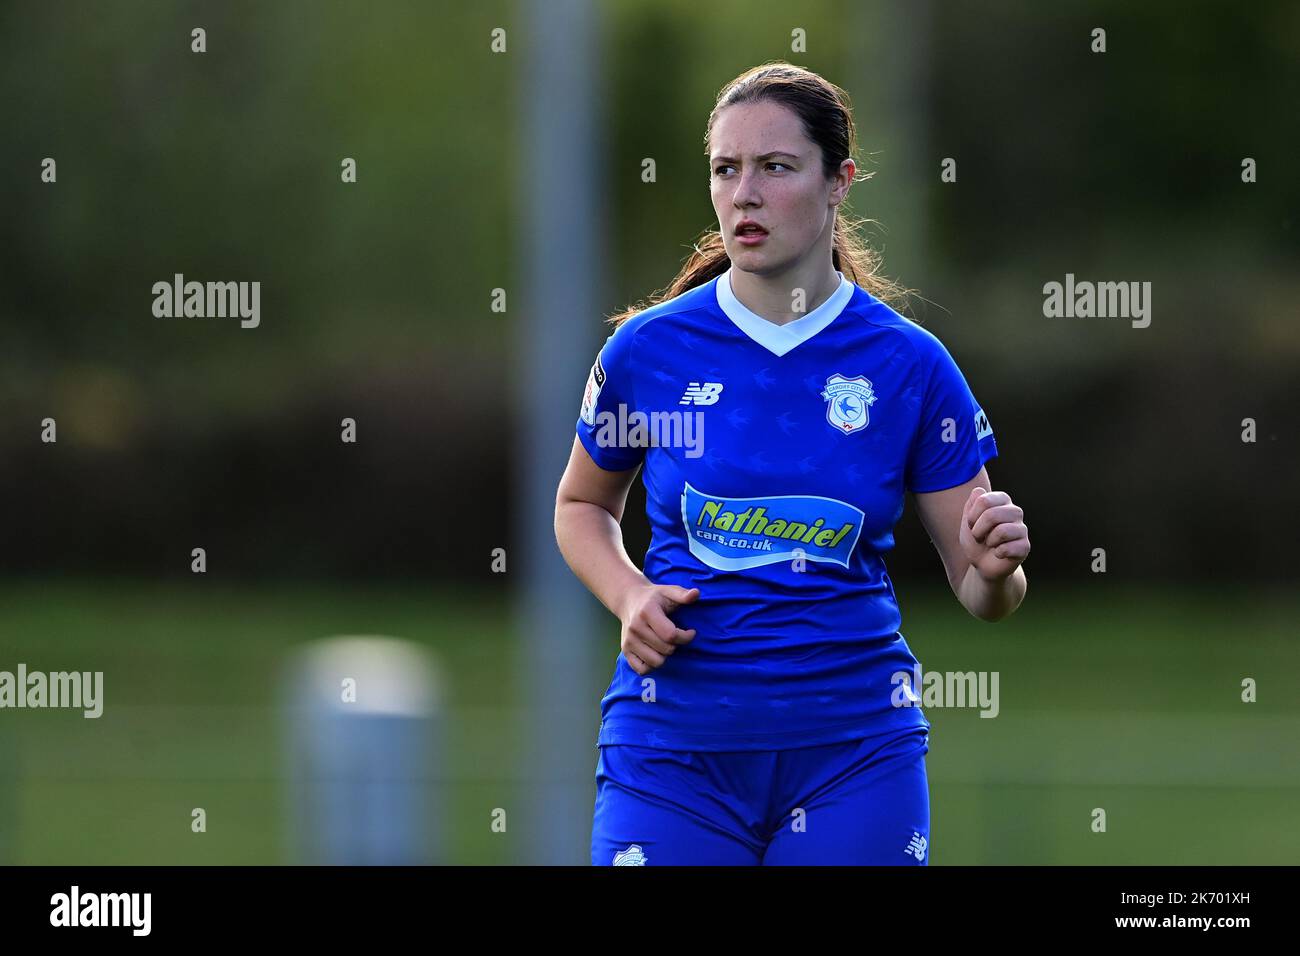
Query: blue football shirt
[775, 461]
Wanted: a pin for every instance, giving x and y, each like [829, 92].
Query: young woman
[760, 710]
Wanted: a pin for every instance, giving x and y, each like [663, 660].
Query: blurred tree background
[376, 296]
[376, 302]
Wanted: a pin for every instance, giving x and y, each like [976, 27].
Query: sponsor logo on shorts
[917, 846]
[632, 856]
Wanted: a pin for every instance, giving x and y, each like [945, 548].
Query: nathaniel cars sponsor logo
[734, 533]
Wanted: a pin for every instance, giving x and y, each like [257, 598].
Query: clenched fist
[993, 534]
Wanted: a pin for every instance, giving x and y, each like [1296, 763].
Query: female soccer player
[761, 708]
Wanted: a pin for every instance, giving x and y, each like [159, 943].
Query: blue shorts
[861, 802]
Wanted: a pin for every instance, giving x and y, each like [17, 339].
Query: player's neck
[774, 297]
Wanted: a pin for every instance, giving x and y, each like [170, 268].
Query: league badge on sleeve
[595, 381]
[847, 402]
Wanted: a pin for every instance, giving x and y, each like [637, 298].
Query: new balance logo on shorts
[632, 856]
[917, 846]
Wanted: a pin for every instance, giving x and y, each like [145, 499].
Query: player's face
[765, 169]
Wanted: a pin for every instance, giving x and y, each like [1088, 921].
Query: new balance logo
[917, 846]
[706, 394]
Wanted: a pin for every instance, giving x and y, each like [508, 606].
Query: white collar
[779, 339]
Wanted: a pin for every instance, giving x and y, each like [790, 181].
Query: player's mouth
[749, 233]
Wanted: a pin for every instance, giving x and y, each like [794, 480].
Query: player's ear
[844, 179]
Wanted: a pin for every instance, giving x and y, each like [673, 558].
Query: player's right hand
[648, 634]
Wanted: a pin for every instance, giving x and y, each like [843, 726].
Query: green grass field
[1123, 700]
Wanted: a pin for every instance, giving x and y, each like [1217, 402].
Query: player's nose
[747, 192]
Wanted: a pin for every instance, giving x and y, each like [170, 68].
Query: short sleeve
[954, 438]
[607, 404]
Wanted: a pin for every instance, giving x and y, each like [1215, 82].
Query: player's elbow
[988, 617]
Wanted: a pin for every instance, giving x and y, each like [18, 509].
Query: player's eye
[719, 169]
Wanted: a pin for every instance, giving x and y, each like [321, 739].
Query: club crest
[847, 401]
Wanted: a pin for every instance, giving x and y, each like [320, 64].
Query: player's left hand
[993, 534]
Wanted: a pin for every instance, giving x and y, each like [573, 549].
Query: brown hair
[828, 121]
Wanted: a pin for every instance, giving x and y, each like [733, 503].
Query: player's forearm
[991, 600]
[592, 544]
